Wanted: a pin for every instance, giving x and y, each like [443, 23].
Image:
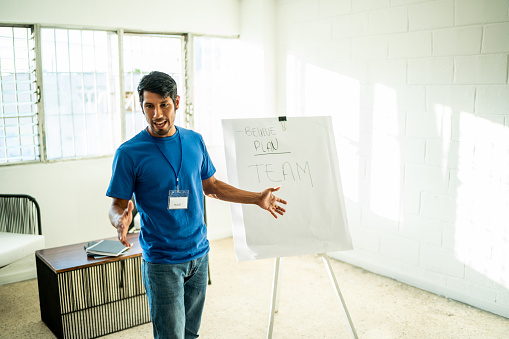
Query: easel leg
[338, 293]
[274, 300]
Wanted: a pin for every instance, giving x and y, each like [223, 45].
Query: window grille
[19, 124]
[80, 78]
[145, 53]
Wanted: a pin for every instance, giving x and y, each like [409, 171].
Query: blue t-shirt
[139, 167]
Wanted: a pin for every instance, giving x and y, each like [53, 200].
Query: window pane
[216, 74]
[83, 85]
[143, 54]
[19, 138]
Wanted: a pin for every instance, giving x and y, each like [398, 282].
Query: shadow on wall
[425, 178]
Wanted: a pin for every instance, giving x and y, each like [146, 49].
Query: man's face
[160, 114]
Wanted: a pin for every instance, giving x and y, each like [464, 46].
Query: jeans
[176, 296]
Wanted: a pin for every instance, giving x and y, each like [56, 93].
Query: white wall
[419, 93]
[191, 16]
[74, 207]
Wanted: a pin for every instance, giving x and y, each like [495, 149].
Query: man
[168, 169]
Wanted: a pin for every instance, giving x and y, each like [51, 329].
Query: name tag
[177, 200]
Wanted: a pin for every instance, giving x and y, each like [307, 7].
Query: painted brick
[479, 11]
[474, 290]
[399, 249]
[425, 279]
[503, 298]
[421, 229]
[433, 71]
[453, 98]
[388, 72]
[488, 276]
[438, 206]
[411, 98]
[306, 52]
[448, 235]
[442, 153]
[369, 48]
[428, 125]
[368, 5]
[431, 15]
[377, 223]
[335, 7]
[351, 25]
[365, 239]
[496, 38]
[332, 52]
[441, 260]
[317, 30]
[353, 212]
[413, 150]
[407, 2]
[457, 41]
[410, 201]
[389, 20]
[410, 45]
[293, 36]
[463, 128]
[483, 69]
[492, 100]
[299, 11]
[426, 178]
[355, 69]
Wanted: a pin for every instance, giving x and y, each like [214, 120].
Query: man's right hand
[121, 216]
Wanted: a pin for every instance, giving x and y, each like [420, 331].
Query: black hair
[159, 83]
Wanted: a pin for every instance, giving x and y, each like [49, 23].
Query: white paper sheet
[300, 156]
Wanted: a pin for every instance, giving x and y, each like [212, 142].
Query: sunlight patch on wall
[482, 212]
[315, 91]
[443, 125]
[385, 170]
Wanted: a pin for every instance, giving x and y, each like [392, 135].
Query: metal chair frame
[20, 213]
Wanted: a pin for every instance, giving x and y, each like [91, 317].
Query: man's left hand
[269, 202]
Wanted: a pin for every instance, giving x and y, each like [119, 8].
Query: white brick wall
[496, 38]
[433, 99]
[459, 41]
[478, 11]
[410, 45]
[436, 14]
[481, 69]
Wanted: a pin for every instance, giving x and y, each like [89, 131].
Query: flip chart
[299, 155]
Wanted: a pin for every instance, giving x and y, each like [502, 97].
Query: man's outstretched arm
[218, 189]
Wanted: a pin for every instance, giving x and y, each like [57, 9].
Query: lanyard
[177, 174]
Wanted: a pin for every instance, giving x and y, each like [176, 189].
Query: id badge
[177, 200]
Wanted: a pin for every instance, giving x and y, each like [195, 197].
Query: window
[81, 94]
[19, 124]
[144, 53]
[87, 108]
[217, 94]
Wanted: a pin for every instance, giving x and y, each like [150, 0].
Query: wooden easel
[275, 295]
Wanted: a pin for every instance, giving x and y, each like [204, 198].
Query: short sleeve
[123, 176]
[207, 168]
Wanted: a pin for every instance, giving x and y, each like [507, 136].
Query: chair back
[19, 213]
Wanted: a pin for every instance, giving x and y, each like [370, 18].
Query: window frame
[37, 27]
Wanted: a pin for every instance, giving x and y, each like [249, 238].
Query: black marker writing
[266, 146]
[286, 171]
[260, 131]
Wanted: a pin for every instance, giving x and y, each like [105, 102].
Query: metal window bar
[13, 119]
[97, 110]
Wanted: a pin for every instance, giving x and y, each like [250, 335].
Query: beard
[161, 130]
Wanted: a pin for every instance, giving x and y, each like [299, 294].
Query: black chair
[19, 213]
